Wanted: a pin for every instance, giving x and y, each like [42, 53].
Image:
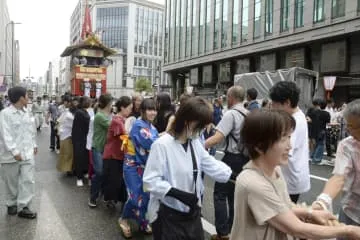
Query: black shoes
[12, 210]
[26, 213]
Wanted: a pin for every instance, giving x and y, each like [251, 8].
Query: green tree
[143, 85]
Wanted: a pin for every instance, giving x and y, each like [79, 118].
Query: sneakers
[92, 203]
[79, 183]
[12, 210]
[217, 237]
[26, 213]
[57, 151]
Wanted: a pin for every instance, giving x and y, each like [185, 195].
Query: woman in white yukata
[173, 174]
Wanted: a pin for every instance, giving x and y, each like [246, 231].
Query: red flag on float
[86, 28]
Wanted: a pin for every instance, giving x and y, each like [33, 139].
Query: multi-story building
[16, 62]
[5, 45]
[207, 42]
[76, 21]
[64, 75]
[135, 27]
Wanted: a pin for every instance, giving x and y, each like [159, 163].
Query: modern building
[64, 76]
[207, 42]
[5, 45]
[76, 21]
[135, 27]
[16, 62]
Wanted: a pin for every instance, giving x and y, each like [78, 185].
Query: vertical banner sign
[329, 84]
[87, 86]
[98, 89]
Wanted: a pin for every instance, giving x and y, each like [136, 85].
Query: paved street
[63, 212]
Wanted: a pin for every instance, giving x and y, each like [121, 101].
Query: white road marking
[49, 223]
[319, 178]
[208, 227]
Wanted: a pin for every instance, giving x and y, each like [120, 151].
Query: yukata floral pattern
[137, 148]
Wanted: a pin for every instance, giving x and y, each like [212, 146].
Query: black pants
[294, 197]
[81, 158]
[224, 195]
[54, 137]
[114, 185]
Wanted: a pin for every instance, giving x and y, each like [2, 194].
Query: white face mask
[191, 134]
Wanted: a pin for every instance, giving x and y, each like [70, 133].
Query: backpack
[241, 147]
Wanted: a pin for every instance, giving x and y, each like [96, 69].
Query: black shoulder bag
[176, 225]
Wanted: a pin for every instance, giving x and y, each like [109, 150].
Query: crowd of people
[151, 156]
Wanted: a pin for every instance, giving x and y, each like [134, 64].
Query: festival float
[88, 62]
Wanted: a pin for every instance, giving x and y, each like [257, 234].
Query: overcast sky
[43, 33]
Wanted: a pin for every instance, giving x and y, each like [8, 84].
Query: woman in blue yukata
[141, 137]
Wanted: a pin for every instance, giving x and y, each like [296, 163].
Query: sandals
[125, 228]
[147, 230]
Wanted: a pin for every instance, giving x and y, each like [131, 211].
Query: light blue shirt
[17, 134]
[169, 165]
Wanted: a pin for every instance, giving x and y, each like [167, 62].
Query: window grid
[337, 8]
[269, 9]
[217, 23]
[245, 21]
[194, 28]
[207, 27]
[224, 26]
[235, 23]
[257, 19]
[318, 11]
[299, 13]
[284, 17]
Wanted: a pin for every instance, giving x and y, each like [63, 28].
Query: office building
[16, 62]
[5, 45]
[135, 27]
[207, 42]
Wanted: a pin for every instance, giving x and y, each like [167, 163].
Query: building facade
[16, 62]
[207, 42]
[5, 45]
[64, 76]
[136, 28]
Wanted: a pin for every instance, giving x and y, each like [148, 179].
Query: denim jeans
[318, 154]
[97, 178]
[224, 196]
[343, 218]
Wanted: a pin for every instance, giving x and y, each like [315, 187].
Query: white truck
[306, 80]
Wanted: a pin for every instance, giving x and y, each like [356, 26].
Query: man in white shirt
[285, 96]
[17, 138]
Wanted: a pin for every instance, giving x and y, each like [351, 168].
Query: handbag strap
[195, 167]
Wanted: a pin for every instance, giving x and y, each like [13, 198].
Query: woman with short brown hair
[263, 209]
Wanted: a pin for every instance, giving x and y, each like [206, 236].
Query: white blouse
[65, 124]
[169, 165]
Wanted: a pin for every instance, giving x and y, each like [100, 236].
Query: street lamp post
[12, 49]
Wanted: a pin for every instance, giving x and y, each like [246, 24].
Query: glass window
[140, 62]
[194, 28]
[135, 61]
[235, 25]
[172, 31]
[299, 13]
[318, 11]
[285, 7]
[217, 24]
[269, 8]
[257, 19]
[182, 25]
[208, 24]
[188, 30]
[145, 62]
[245, 21]
[338, 8]
[225, 8]
[202, 25]
[167, 30]
[177, 29]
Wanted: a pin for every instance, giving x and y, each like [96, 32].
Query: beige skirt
[66, 159]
